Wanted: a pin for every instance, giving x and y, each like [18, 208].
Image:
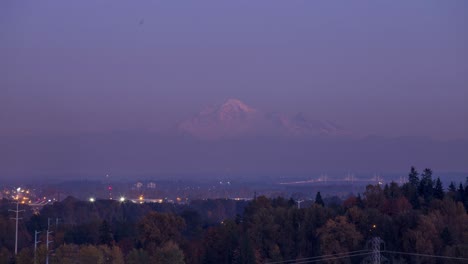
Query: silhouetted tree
[426, 185]
[413, 178]
[452, 187]
[452, 191]
[466, 194]
[460, 193]
[438, 190]
[319, 200]
[392, 191]
[410, 189]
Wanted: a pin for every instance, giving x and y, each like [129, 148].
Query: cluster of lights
[141, 199]
[92, 199]
[23, 199]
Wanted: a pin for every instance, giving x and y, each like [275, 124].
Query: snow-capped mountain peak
[236, 105]
[229, 119]
[234, 109]
[234, 118]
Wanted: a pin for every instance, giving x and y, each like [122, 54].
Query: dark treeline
[417, 217]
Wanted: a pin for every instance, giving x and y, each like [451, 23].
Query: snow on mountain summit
[229, 119]
[235, 104]
[234, 118]
[233, 109]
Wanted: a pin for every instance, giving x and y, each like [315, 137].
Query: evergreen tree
[460, 193]
[466, 196]
[452, 191]
[452, 187]
[413, 177]
[438, 190]
[426, 185]
[319, 200]
[411, 188]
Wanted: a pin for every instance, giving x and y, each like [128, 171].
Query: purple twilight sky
[388, 68]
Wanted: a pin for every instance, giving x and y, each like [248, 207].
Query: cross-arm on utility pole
[17, 211]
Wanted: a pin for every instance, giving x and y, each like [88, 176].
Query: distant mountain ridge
[234, 119]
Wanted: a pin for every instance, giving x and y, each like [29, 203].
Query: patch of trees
[418, 217]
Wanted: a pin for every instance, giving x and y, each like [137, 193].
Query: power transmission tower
[17, 211]
[374, 245]
[35, 245]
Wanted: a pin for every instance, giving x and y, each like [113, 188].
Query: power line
[333, 258]
[357, 253]
[424, 255]
[318, 257]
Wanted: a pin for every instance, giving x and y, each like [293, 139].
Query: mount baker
[234, 119]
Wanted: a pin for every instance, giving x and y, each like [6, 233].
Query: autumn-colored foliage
[418, 216]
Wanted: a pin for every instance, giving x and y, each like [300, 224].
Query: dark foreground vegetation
[418, 217]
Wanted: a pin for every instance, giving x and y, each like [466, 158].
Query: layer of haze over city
[232, 88]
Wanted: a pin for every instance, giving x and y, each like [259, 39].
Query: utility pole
[35, 245]
[17, 219]
[299, 203]
[47, 246]
[47, 240]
